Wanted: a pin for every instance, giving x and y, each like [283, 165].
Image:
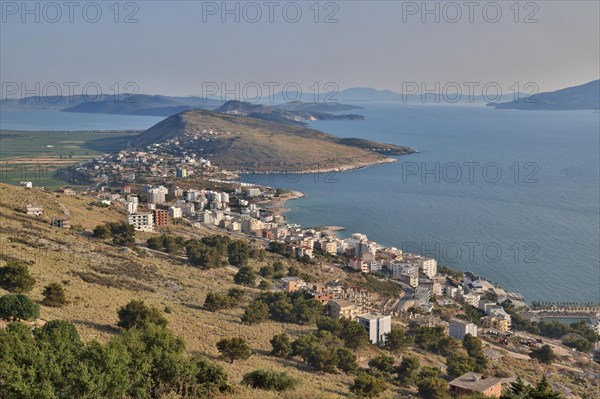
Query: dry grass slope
[101, 278]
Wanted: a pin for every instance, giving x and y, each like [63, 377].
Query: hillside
[100, 278]
[254, 143]
[583, 97]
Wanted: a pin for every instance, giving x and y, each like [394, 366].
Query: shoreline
[277, 206]
[344, 168]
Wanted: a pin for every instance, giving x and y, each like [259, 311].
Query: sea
[513, 196]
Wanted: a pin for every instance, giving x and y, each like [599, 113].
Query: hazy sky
[175, 47]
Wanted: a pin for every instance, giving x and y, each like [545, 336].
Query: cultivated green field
[35, 156]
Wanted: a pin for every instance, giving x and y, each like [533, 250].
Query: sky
[188, 47]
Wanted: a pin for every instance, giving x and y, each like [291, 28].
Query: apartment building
[341, 308]
[141, 221]
[161, 218]
[459, 328]
[377, 326]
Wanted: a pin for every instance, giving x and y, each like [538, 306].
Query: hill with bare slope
[237, 140]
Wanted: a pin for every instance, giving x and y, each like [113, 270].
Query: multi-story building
[452, 292]
[486, 305]
[175, 212]
[471, 299]
[251, 192]
[292, 283]
[157, 195]
[178, 192]
[251, 225]
[181, 173]
[341, 308]
[141, 221]
[459, 328]
[377, 326]
[206, 217]
[409, 279]
[359, 264]
[329, 247]
[235, 226]
[429, 268]
[161, 218]
[501, 325]
[131, 207]
[188, 209]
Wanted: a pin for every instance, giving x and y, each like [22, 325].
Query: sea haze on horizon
[53, 120]
[554, 221]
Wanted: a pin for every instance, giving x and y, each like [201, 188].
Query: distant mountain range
[157, 105]
[583, 97]
[234, 141]
[306, 106]
[358, 95]
[138, 104]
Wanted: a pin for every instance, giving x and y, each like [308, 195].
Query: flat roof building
[342, 308]
[459, 328]
[377, 326]
[472, 382]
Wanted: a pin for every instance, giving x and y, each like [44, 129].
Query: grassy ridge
[259, 142]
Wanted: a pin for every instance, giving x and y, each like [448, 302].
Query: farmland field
[35, 156]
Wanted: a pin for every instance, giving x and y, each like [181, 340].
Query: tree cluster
[217, 251]
[18, 306]
[215, 301]
[324, 352]
[270, 380]
[296, 307]
[122, 234]
[52, 362]
[166, 243]
[349, 331]
[15, 277]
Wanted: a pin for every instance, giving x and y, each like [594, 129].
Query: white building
[471, 299]
[175, 212]
[26, 184]
[430, 268]
[377, 326]
[131, 207]
[157, 195]
[459, 328]
[141, 221]
[206, 217]
[452, 292]
[34, 210]
[188, 209]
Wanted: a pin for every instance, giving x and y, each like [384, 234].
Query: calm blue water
[69, 121]
[535, 232]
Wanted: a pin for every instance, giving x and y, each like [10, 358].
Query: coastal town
[353, 278]
[155, 190]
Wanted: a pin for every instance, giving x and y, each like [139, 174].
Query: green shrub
[18, 306]
[15, 277]
[269, 380]
[136, 314]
